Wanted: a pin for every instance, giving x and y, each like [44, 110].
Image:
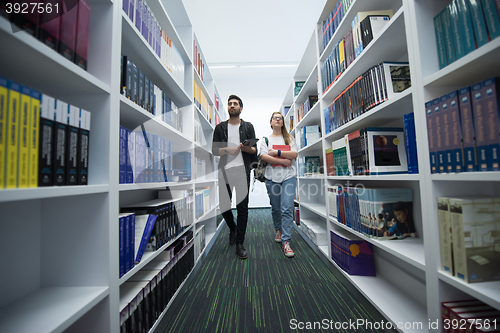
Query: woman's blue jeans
[281, 196]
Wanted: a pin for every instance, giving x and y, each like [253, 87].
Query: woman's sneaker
[288, 251]
[277, 238]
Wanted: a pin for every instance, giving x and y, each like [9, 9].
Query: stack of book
[470, 315]
[372, 151]
[463, 26]
[148, 292]
[463, 129]
[173, 217]
[138, 88]
[149, 158]
[202, 201]
[201, 102]
[43, 141]
[199, 240]
[149, 28]
[469, 234]
[305, 107]
[198, 63]
[379, 84]
[315, 229]
[352, 254]
[329, 26]
[65, 29]
[307, 135]
[364, 28]
[372, 211]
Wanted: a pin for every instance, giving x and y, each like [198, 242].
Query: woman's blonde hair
[284, 132]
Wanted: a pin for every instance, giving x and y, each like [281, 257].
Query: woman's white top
[278, 174]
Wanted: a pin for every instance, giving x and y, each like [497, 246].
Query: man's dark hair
[236, 97]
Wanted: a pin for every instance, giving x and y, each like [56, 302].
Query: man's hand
[233, 150]
[246, 149]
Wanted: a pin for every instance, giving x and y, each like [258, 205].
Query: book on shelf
[352, 254]
[342, 157]
[411, 142]
[386, 150]
[455, 153]
[67, 32]
[23, 153]
[282, 148]
[82, 34]
[445, 236]
[315, 229]
[49, 28]
[476, 238]
[491, 104]
[46, 145]
[60, 140]
[123, 156]
[83, 147]
[126, 223]
[144, 225]
[371, 26]
[356, 27]
[330, 166]
[491, 16]
[4, 96]
[313, 165]
[468, 132]
[12, 139]
[298, 87]
[73, 114]
[33, 138]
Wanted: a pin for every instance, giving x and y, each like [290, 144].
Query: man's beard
[234, 113]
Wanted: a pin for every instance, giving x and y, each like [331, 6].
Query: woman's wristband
[279, 152]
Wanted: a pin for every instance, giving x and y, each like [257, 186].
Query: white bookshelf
[408, 36]
[60, 244]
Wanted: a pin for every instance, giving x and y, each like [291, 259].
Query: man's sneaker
[288, 251]
[232, 237]
[240, 251]
[277, 238]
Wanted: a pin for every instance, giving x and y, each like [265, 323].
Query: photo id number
[463, 324]
[31, 8]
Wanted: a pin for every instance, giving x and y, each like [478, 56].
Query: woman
[280, 179]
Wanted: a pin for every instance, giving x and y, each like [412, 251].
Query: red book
[282, 148]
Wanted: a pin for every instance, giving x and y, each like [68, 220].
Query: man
[234, 170]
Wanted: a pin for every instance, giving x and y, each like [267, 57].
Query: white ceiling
[254, 32]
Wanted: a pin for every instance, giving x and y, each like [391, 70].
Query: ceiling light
[253, 65]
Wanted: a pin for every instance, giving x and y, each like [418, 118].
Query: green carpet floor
[266, 292]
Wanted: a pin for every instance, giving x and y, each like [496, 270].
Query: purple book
[480, 126]
[446, 122]
[468, 134]
[491, 95]
[431, 134]
[82, 34]
[455, 133]
[67, 33]
[49, 28]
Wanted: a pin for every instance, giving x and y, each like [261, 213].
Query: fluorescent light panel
[253, 65]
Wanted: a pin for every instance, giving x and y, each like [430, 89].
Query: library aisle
[267, 292]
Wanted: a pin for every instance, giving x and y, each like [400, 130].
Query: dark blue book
[410, 143]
